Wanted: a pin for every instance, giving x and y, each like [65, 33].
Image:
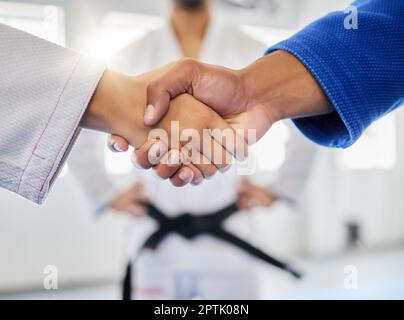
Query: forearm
[283, 85]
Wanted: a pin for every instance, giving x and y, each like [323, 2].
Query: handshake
[188, 120]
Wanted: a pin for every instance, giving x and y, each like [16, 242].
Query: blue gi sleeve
[361, 70]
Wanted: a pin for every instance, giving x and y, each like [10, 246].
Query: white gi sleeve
[44, 91]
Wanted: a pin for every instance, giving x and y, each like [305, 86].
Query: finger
[183, 177]
[140, 157]
[244, 186]
[136, 194]
[229, 138]
[172, 163]
[156, 152]
[117, 144]
[198, 175]
[245, 181]
[204, 166]
[137, 188]
[216, 154]
[253, 203]
[242, 202]
[154, 114]
[169, 165]
[149, 154]
[136, 210]
[174, 82]
[143, 199]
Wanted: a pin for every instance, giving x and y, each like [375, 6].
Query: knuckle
[188, 63]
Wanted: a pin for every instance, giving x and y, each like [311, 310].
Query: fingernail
[207, 177]
[113, 145]
[134, 161]
[156, 152]
[186, 175]
[225, 169]
[116, 146]
[198, 181]
[149, 115]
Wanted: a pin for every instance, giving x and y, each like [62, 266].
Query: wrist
[284, 87]
[117, 107]
[97, 115]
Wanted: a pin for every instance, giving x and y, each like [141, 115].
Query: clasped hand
[183, 139]
[188, 120]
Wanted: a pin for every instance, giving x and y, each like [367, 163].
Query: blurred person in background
[204, 267]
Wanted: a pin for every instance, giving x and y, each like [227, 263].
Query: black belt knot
[190, 226]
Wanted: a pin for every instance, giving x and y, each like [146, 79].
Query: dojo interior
[347, 236]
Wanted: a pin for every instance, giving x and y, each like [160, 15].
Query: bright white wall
[313, 9]
[59, 233]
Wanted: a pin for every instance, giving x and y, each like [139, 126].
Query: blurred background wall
[362, 187]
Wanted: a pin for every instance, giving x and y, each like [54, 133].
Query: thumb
[177, 80]
[154, 113]
[117, 144]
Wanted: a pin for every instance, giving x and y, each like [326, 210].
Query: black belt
[191, 226]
